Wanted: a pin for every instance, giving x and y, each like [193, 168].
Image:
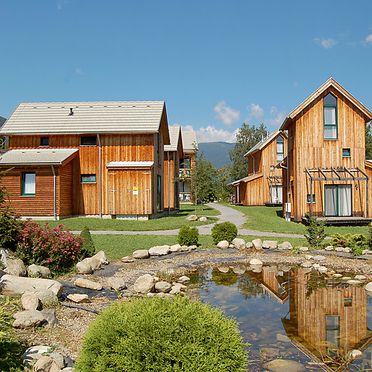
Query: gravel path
[227, 214]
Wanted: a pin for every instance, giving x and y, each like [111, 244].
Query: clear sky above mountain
[216, 63]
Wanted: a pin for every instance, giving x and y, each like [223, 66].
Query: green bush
[370, 236]
[87, 248]
[315, 232]
[162, 335]
[357, 242]
[224, 231]
[188, 236]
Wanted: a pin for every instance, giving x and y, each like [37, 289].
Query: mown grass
[164, 223]
[117, 246]
[270, 219]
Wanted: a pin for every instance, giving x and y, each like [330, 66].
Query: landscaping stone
[239, 270]
[223, 269]
[203, 219]
[38, 271]
[127, 259]
[346, 278]
[337, 275]
[177, 288]
[163, 287]
[270, 244]
[285, 246]
[101, 256]
[34, 353]
[58, 359]
[49, 316]
[355, 353]
[366, 252]
[368, 287]
[316, 266]
[117, 284]
[257, 244]
[329, 248]
[141, 254]
[47, 297]
[14, 285]
[319, 258]
[30, 301]
[223, 244]
[255, 261]
[360, 277]
[248, 245]
[354, 282]
[306, 264]
[308, 257]
[192, 247]
[339, 249]
[322, 269]
[283, 365]
[16, 267]
[192, 217]
[86, 283]
[175, 248]
[43, 364]
[183, 279]
[144, 284]
[238, 243]
[28, 318]
[83, 267]
[78, 298]
[303, 249]
[160, 250]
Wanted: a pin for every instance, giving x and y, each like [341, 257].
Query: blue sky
[215, 63]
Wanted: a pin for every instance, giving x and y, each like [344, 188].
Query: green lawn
[164, 223]
[117, 246]
[269, 219]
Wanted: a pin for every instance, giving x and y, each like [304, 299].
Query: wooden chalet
[326, 173]
[86, 159]
[263, 184]
[173, 155]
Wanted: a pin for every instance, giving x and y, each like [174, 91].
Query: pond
[293, 314]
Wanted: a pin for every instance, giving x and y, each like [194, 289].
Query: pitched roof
[36, 156]
[174, 134]
[86, 117]
[264, 142]
[329, 83]
[189, 140]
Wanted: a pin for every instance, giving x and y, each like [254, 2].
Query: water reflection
[295, 314]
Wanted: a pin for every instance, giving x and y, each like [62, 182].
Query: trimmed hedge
[188, 236]
[224, 231]
[162, 335]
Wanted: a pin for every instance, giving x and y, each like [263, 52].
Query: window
[88, 178]
[346, 153]
[310, 198]
[330, 116]
[333, 330]
[158, 194]
[88, 141]
[44, 141]
[28, 184]
[279, 148]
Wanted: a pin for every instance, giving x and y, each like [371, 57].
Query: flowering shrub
[53, 247]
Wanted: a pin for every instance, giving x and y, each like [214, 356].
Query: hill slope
[216, 152]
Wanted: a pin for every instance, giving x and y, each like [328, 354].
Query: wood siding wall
[65, 191]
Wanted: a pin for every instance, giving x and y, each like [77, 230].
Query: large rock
[101, 257]
[223, 244]
[16, 267]
[285, 246]
[255, 261]
[84, 267]
[203, 219]
[238, 243]
[89, 284]
[14, 285]
[47, 297]
[46, 364]
[283, 365]
[192, 217]
[141, 253]
[30, 301]
[368, 287]
[49, 316]
[144, 284]
[127, 259]
[257, 244]
[269, 244]
[38, 271]
[91, 264]
[183, 279]
[175, 248]
[319, 258]
[160, 250]
[117, 284]
[78, 298]
[163, 287]
[28, 318]
[177, 288]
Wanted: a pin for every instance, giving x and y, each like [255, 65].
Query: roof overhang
[246, 179]
[130, 164]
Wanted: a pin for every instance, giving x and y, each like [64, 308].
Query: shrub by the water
[162, 335]
[87, 248]
[315, 232]
[53, 247]
[357, 242]
[224, 231]
[188, 236]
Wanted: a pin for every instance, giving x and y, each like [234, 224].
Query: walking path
[227, 214]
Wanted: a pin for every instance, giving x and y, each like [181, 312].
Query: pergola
[337, 174]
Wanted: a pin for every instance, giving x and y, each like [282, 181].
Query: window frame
[346, 156]
[88, 144]
[88, 175]
[312, 201]
[279, 140]
[334, 106]
[41, 141]
[23, 184]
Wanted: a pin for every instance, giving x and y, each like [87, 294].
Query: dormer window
[279, 148]
[330, 117]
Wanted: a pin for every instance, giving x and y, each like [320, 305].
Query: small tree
[87, 249]
[224, 231]
[206, 180]
[315, 232]
[188, 236]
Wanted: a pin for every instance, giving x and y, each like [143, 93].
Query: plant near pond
[162, 335]
[87, 248]
[188, 236]
[357, 242]
[53, 247]
[224, 231]
[315, 232]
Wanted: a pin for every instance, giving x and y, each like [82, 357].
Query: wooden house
[263, 184]
[86, 158]
[325, 173]
[173, 155]
[188, 163]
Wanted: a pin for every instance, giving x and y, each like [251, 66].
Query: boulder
[38, 271]
[355, 354]
[28, 318]
[203, 219]
[319, 258]
[303, 249]
[337, 275]
[306, 264]
[78, 298]
[223, 269]
[283, 365]
[368, 287]
[83, 267]
[160, 250]
[49, 316]
[329, 248]
[58, 359]
[360, 277]
[248, 245]
[366, 251]
[257, 244]
[183, 279]
[16, 267]
[238, 243]
[223, 244]
[34, 353]
[177, 288]
[192, 217]
[239, 270]
[354, 282]
[322, 269]
[144, 284]
[14, 285]
[44, 364]
[308, 257]
[175, 248]
[140, 254]
[127, 259]
[117, 284]
[285, 246]
[255, 261]
[163, 287]
[101, 257]
[47, 297]
[30, 301]
[85, 283]
[192, 247]
[269, 244]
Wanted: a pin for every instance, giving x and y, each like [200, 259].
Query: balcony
[185, 173]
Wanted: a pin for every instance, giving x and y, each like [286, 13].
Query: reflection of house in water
[328, 321]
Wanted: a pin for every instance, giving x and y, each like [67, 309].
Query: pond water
[295, 314]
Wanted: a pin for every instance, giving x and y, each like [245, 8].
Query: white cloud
[326, 43]
[369, 39]
[226, 114]
[213, 134]
[256, 111]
